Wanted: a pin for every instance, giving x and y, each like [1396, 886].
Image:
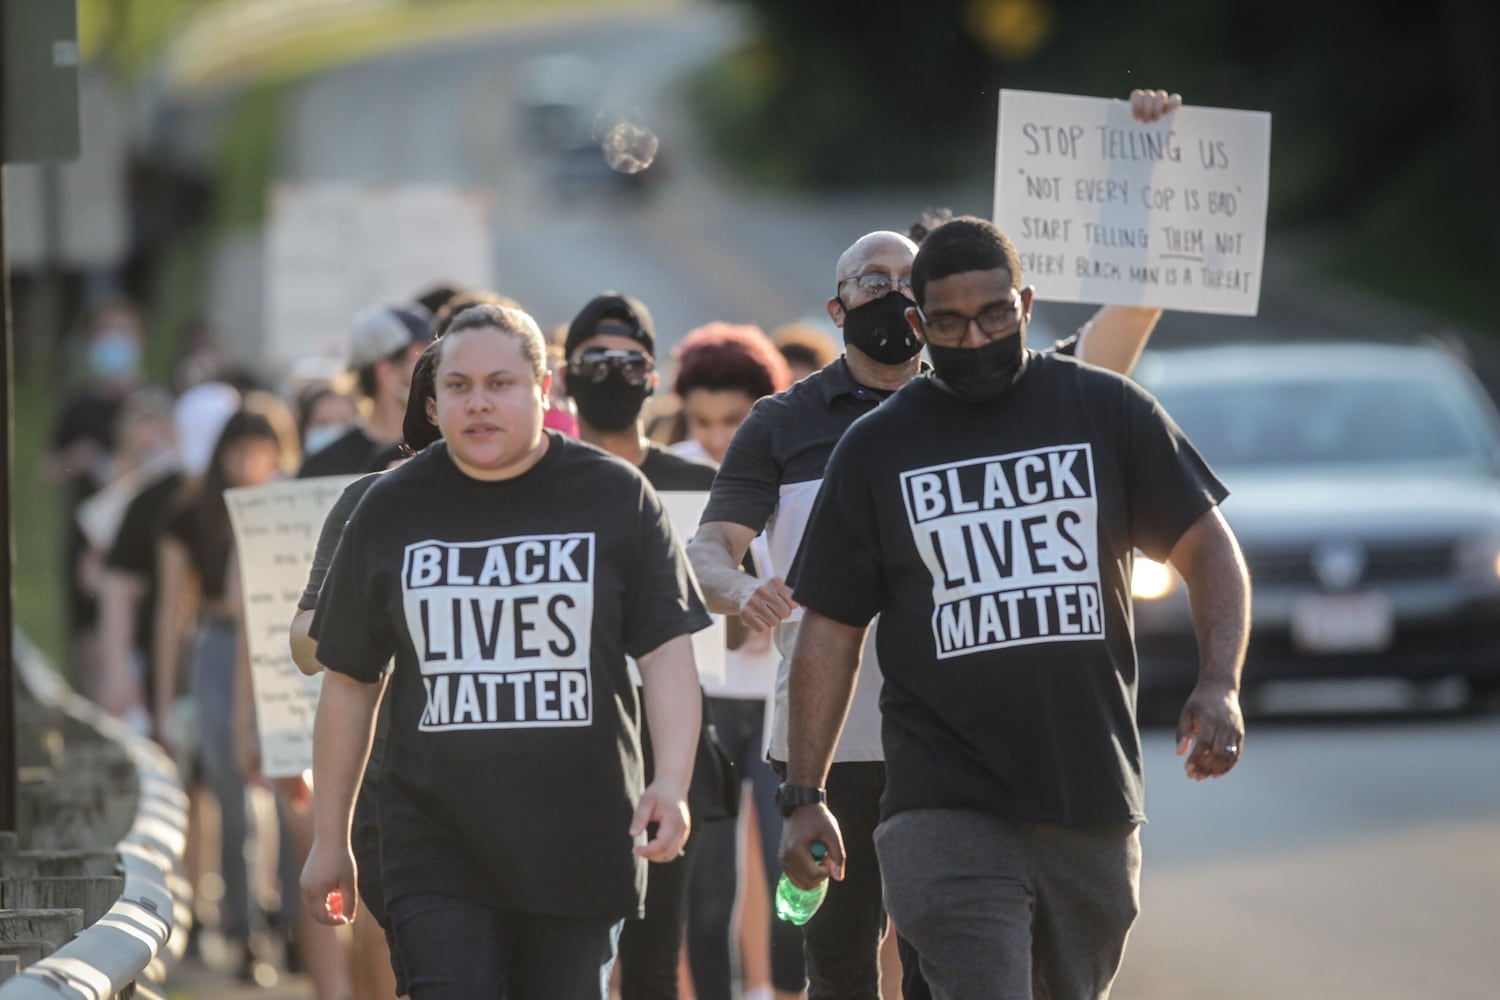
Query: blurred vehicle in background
[585, 147]
[1365, 490]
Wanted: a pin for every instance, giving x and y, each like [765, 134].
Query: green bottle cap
[818, 850]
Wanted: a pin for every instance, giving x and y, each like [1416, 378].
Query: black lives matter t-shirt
[514, 761]
[995, 541]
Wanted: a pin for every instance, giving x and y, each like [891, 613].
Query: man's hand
[1211, 732]
[1151, 105]
[667, 808]
[766, 604]
[328, 891]
[805, 825]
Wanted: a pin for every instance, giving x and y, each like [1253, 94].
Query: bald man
[768, 482]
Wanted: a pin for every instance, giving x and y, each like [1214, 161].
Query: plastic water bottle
[796, 905]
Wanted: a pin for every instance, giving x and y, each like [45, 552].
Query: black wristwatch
[789, 797]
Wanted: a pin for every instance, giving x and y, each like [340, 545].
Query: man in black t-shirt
[989, 514]
[611, 372]
[768, 482]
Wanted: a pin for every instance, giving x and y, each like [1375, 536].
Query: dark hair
[443, 316]
[801, 344]
[729, 356]
[930, 220]
[206, 509]
[961, 245]
[308, 401]
[435, 296]
[508, 320]
[417, 429]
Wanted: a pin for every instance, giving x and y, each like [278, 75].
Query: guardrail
[86, 919]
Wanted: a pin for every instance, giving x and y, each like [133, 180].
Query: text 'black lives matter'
[502, 630]
[1011, 542]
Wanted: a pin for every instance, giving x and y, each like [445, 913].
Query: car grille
[1385, 562]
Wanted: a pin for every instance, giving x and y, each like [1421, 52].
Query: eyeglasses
[946, 329]
[594, 366]
[877, 284]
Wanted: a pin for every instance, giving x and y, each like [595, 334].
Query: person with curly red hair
[722, 369]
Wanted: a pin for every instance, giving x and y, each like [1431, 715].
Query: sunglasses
[594, 366]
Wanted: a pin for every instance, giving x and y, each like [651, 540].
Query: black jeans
[649, 946]
[715, 879]
[842, 941]
[455, 949]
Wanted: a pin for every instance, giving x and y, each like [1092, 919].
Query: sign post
[38, 122]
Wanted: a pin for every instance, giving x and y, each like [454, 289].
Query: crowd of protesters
[522, 782]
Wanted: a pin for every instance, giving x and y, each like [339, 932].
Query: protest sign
[1107, 209]
[684, 510]
[334, 249]
[276, 531]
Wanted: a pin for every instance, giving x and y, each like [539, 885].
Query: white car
[1365, 491]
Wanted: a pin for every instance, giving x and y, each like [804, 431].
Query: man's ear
[546, 385]
[1027, 295]
[836, 312]
[914, 319]
[431, 405]
[655, 381]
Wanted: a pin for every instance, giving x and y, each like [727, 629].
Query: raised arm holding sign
[1109, 205]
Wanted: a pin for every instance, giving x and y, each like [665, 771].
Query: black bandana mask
[980, 374]
[879, 328]
[611, 405]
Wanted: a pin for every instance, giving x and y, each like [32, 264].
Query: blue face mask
[319, 438]
[114, 354]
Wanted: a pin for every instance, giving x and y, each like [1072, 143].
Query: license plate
[1342, 623]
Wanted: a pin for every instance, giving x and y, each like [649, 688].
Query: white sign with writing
[276, 531]
[684, 508]
[335, 249]
[1107, 209]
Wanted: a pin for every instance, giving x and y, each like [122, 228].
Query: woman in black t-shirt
[197, 595]
[509, 571]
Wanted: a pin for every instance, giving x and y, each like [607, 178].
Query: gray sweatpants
[1000, 910]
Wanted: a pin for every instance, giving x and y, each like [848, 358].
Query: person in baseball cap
[384, 344]
[610, 371]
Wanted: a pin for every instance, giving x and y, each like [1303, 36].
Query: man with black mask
[610, 372]
[989, 514]
[768, 482]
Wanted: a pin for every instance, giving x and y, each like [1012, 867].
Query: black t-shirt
[514, 762]
[328, 540]
[668, 472]
[995, 541]
[134, 550]
[208, 538]
[89, 414]
[345, 456]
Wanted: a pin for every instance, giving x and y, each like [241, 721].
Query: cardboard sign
[276, 531]
[1107, 209]
[333, 250]
[684, 509]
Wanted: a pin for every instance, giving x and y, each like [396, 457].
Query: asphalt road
[1343, 858]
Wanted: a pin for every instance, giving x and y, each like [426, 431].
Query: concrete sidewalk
[192, 980]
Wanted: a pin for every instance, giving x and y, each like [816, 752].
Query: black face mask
[879, 328]
[980, 374]
[611, 405]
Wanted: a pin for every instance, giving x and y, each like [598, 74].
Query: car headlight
[1479, 557]
[1151, 580]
